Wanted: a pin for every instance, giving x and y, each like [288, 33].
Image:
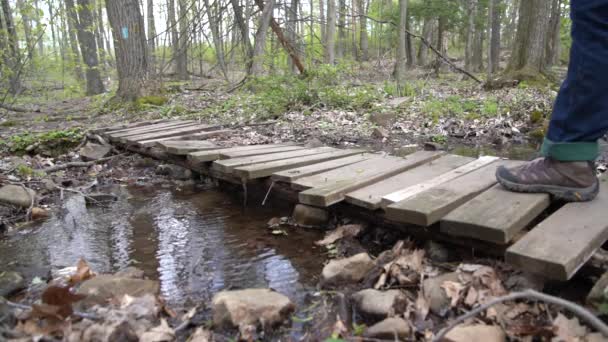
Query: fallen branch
[17, 109]
[77, 164]
[529, 294]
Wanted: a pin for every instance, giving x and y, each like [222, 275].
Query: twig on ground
[76, 313]
[529, 294]
[77, 164]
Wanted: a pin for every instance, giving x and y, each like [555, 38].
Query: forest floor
[446, 113]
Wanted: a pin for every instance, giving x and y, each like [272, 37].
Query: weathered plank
[183, 147]
[128, 125]
[429, 206]
[291, 175]
[408, 192]
[151, 129]
[496, 215]
[262, 170]
[228, 165]
[328, 192]
[186, 136]
[248, 153]
[165, 134]
[558, 246]
[207, 156]
[370, 197]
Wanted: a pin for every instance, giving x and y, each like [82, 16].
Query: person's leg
[580, 115]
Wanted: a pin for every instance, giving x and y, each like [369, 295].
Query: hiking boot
[569, 181]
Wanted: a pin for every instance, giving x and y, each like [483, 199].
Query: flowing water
[195, 242]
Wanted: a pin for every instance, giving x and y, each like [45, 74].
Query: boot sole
[560, 192]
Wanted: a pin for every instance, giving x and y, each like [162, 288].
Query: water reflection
[195, 243]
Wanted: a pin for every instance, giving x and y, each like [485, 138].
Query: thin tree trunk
[37, 19]
[511, 29]
[341, 29]
[182, 51]
[130, 48]
[468, 51]
[427, 33]
[409, 51]
[13, 59]
[363, 38]
[215, 35]
[260, 40]
[553, 34]
[292, 18]
[27, 28]
[494, 39]
[88, 47]
[478, 37]
[244, 29]
[52, 24]
[401, 58]
[151, 35]
[172, 23]
[441, 22]
[330, 52]
[323, 23]
[97, 30]
[72, 20]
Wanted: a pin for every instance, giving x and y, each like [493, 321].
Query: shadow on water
[195, 242]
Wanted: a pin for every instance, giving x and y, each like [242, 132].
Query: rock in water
[476, 333]
[597, 295]
[438, 299]
[92, 151]
[242, 308]
[131, 272]
[347, 270]
[10, 282]
[104, 287]
[17, 195]
[308, 216]
[380, 304]
[174, 171]
[389, 328]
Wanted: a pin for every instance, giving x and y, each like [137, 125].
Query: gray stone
[432, 146]
[92, 151]
[599, 292]
[48, 184]
[306, 215]
[10, 282]
[7, 316]
[314, 143]
[380, 133]
[100, 198]
[380, 304]
[437, 252]
[16, 195]
[383, 119]
[104, 287]
[174, 171]
[476, 333]
[389, 328]
[347, 270]
[131, 272]
[438, 300]
[241, 308]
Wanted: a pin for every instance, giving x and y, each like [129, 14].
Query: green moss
[537, 134]
[57, 142]
[9, 123]
[536, 116]
[24, 170]
[153, 100]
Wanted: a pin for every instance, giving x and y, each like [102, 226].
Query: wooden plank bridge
[450, 197]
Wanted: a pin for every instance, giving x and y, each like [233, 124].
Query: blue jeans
[580, 115]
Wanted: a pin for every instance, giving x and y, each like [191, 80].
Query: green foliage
[59, 141]
[439, 139]
[9, 123]
[536, 116]
[152, 100]
[24, 170]
[459, 107]
[359, 329]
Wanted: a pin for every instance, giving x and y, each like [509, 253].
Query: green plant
[153, 100]
[24, 170]
[439, 139]
[489, 108]
[9, 123]
[59, 141]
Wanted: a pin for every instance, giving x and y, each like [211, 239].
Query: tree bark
[13, 58]
[323, 23]
[494, 24]
[478, 38]
[527, 58]
[409, 51]
[52, 25]
[260, 39]
[88, 48]
[244, 29]
[553, 34]
[72, 19]
[130, 48]
[27, 28]
[182, 50]
[363, 39]
[215, 35]
[401, 58]
[468, 51]
[37, 19]
[151, 34]
[292, 18]
[427, 33]
[341, 29]
[511, 28]
[330, 52]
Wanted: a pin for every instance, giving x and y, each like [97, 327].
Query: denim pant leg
[580, 115]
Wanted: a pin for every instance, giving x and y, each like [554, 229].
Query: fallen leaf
[568, 330]
[471, 297]
[349, 230]
[160, 333]
[487, 276]
[200, 335]
[423, 306]
[83, 272]
[339, 328]
[39, 213]
[452, 290]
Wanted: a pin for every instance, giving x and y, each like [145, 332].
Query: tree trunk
[88, 47]
[72, 19]
[401, 60]
[527, 59]
[292, 18]
[27, 28]
[38, 24]
[244, 29]
[363, 39]
[409, 51]
[512, 24]
[441, 23]
[151, 34]
[341, 29]
[260, 40]
[182, 51]
[97, 30]
[494, 24]
[323, 23]
[553, 34]
[52, 25]
[12, 58]
[330, 33]
[215, 35]
[172, 28]
[468, 51]
[427, 33]
[130, 48]
[478, 38]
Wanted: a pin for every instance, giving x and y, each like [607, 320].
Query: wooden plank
[228, 165]
[429, 206]
[326, 193]
[207, 156]
[248, 153]
[165, 134]
[155, 125]
[183, 147]
[558, 246]
[151, 129]
[262, 170]
[309, 170]
[496, 215]
[370, 197]
[128, 125]
[186, 136]
[408, 192]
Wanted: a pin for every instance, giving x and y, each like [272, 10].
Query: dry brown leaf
[201, 335]
[51, 312]
[423, 306]
[61, 298]
[471, 298]
[339, 328]
[453, 290]
[568, 330]
[349, 230]
[45, 328]
[83, 272]
[160, 333]
[487, 276]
